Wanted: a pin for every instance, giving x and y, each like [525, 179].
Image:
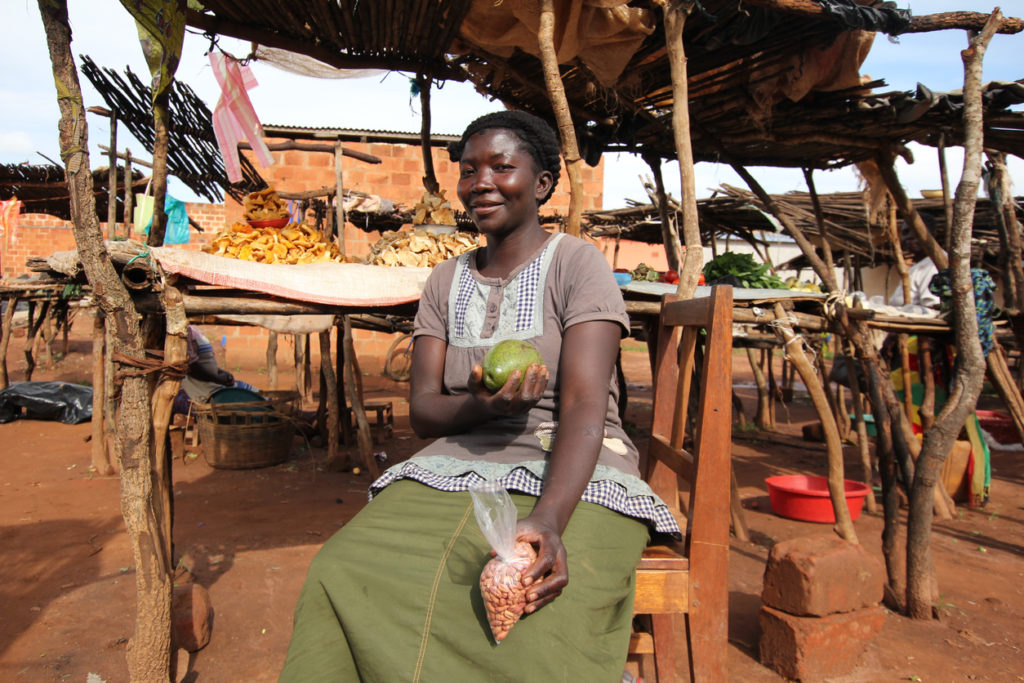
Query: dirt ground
[67, 581]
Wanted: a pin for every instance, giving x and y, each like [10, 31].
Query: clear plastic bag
[501, 582]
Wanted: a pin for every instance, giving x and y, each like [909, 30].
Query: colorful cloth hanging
[234, 118]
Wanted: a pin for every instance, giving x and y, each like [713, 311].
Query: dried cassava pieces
[501, 584]
[419, 248]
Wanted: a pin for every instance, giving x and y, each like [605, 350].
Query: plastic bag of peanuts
[501, 582]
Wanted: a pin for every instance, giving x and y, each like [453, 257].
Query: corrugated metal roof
[354, 135]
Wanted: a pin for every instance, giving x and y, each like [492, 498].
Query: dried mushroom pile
[264, 205]
[296, 243]
[293, 243]
[419, 248]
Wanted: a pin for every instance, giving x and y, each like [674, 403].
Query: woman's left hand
[549, 574]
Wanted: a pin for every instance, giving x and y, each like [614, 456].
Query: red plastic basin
[999, 425]
[805, 497]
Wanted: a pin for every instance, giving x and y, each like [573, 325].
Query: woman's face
[499, 183]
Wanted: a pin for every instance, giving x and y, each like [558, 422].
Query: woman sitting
[394, 595]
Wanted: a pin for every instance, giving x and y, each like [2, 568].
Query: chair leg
[670, 661]
[707, 638]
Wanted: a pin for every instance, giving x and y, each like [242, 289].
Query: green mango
[505, 358]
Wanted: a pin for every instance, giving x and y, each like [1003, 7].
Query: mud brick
[821, 575]
[816, 648]
[191, 617]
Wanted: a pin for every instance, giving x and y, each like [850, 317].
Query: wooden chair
[682, 588]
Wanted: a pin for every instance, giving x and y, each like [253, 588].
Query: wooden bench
[681, 610]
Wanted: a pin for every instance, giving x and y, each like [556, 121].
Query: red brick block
[816, 648]
[821, 575]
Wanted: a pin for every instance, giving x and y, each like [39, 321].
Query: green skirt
[394, 596]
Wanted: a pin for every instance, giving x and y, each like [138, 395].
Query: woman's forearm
[433, 414]
[571, 464]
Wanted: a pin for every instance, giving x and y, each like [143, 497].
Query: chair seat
[663, 557]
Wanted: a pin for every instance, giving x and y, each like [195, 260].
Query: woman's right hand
[514, 398]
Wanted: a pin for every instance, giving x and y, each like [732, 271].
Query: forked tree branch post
[560, 105]
[150, 647]
[693, 260]
[968, 376]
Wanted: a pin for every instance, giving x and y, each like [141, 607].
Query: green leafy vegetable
[743, 267]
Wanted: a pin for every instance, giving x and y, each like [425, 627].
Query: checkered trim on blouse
[605, 493]
[529, 279]
[466, 288]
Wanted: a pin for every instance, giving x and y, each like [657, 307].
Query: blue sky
[103, 30]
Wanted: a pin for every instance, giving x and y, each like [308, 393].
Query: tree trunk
[149, 648]
[969, 373]
[560, 105]
[693, 259]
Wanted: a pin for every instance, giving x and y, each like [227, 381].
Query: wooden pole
[175, 354]
[947, 201]
[112, 178]
[887, 168]
[762, 415]
[837, 489]
[161, 145]
[129, 195]
[100, 461]
[429, 178]
[819, 217]
[329, 384]
[272, 360]
[298, 358]
[669, 229]
[560, 106]
[5, 339]
[339, 203]
[693, 259]
[355, 399]
[862, 429]
[34, 324]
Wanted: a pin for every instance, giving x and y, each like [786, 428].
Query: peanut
[501, 584]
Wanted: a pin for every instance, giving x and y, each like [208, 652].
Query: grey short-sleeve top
[565, 282]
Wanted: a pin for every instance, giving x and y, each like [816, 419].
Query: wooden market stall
[667, 80]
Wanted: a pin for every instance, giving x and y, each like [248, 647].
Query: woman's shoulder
[570, 246]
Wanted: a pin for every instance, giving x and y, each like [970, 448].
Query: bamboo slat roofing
[737, 212]
[193, 155]
[44, 189]
[736, 51]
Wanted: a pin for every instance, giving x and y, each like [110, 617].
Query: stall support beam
[5, 339]
[560, 105]
[693, 260]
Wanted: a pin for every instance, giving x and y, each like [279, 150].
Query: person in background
[922, 270]
[203, 376]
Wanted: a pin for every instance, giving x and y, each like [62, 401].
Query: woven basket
[247, 435]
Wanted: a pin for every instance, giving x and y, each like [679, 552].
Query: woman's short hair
[538, 138]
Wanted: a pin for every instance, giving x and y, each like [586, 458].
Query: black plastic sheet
[885, 17]
[60, 401]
